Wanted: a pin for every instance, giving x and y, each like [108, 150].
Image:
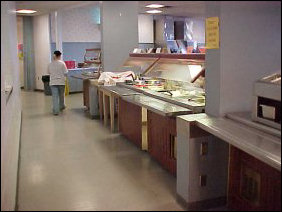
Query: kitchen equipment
[267, 101]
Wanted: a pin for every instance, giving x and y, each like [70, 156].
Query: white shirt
[57, 70]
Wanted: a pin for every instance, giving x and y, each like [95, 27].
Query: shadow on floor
[78, 110]
[40, 115]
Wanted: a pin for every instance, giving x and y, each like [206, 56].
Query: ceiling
[177, 8]
[43, 7]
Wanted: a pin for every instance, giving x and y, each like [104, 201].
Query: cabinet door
[156, 137]
[253, 185]
[171, 144]
[130, 121]
[161, 140]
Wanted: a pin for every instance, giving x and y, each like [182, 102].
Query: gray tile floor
[70, 162]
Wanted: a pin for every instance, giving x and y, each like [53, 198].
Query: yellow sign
[212, 33]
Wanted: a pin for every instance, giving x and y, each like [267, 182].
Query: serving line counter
[145, 116]
[223, 159]
[215, 160]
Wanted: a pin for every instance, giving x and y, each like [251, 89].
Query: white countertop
[259, 144]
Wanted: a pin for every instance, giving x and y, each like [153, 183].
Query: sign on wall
[212, 33]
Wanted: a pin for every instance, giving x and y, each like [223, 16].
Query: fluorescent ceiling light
[24, 11]
[155, 6]
[154, 11]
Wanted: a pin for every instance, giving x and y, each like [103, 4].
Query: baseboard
[202, 205]
[73, 92]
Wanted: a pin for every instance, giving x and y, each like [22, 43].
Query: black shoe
[63, 108]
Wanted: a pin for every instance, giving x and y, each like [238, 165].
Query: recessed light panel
[25, 11]
[154, 11]
[155, 6]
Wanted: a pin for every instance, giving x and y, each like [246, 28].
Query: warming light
[25, 11]
[155, 6]
[154, 11]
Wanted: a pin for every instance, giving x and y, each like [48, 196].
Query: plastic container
[47, 88]
[70, 64]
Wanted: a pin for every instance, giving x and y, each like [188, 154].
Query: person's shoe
[63, 108]
[55, 114]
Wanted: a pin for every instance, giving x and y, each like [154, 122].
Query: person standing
[57, 70]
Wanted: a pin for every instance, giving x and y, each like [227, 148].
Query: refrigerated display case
[137, 64]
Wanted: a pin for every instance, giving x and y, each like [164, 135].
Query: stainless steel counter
[261, 145]
[246, 118]
[120, 90]
[158, 106]
[82, 77]
[194, 106]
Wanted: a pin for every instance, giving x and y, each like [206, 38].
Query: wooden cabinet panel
[130, 121]
[161, 140]
[156, 137]
[171, 144]
[253, 185]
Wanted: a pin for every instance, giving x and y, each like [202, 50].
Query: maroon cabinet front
[161, 140]
[130, 121]
[253, 185]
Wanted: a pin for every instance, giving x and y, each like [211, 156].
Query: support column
[119, 20]
[28, 48]
[58, 29]
[250, 48]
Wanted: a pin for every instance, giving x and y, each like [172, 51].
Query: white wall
[250, 48]
[119, 32]
[11, 109]
[145, 29]
[41, 48]
[79, 24]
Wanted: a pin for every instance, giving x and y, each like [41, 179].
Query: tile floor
[70, 162]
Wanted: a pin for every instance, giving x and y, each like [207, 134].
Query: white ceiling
[43, 7]
[178, 8]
